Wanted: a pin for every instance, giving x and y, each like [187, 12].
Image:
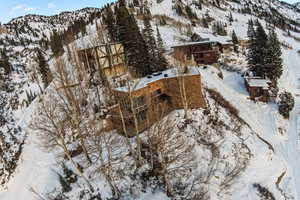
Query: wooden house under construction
[202, 52]
[107, 58]
[148, 100]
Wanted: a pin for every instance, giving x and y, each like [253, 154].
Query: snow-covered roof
[194, 43]
[258, 82]
[169, 73]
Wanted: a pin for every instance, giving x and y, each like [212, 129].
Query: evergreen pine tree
[251, 53]
[235, 41]
[163, 63]
[219, 28]
[273, 58]
[261, 49]
[286, 104]
[128, 33]
[56, 44]
[160, 43]
[66, 187]
[230, 18]
[257, 48]
[110, 21]
[43, 68]
[251, 30]
[150, 42]
[234, 38]
[4, 62]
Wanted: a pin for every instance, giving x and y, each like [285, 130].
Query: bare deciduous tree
[108, 151]
[52, 128]
[170, 152]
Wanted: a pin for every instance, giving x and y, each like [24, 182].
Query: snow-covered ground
[35, 165]
[275, 167]
[266, 166]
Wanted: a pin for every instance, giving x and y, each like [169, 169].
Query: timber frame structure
[108, 58]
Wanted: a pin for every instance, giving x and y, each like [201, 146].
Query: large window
[139, 101]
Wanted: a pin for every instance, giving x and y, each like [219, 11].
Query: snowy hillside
[23, 35]
[236, 149]
[46, 24]
[20, 39]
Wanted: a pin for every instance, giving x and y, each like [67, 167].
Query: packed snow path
[290, 148]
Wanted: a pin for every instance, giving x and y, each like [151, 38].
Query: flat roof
[194, 43]
[258, 82]
[143, 82]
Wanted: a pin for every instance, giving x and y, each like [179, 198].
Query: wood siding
[257, 93]
[201, 53]
[160, 98]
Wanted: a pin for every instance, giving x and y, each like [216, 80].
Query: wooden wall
[156, 108]
[193, 90]
[202, 54]
[257, 93]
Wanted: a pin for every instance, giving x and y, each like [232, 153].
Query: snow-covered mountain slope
[44, 25]
[296, 4]
[272, 141]
[20, 39]
[23, 35]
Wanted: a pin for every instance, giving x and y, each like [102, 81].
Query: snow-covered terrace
[169, 73]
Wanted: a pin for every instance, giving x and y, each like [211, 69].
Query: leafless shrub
[169, 153]
[223, 102]
[241, 156]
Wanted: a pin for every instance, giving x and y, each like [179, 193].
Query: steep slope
[39, 25]
[20, 39]
[273, 141]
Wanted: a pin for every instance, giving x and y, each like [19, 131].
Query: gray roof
[143, 82]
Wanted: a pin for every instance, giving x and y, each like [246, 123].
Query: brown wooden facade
[260, 93]
[205, 52]
[109, 58]
[156, 100]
